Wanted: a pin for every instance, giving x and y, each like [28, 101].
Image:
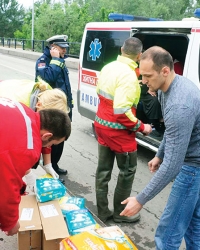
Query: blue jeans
[181, 217]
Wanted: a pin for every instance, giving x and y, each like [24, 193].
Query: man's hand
[48, 168]
[14, 230]
[54, 52]
[132, 207]
[152, 93]
[154, 164]
[147, 129]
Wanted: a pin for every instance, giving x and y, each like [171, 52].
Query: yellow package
[103, 238]
[45, 176]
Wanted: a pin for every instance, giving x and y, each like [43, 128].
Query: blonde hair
[52, 98]
[41, 84]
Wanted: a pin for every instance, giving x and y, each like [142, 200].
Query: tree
[167, 10]
[11, 17]
[49, 21]
[70, 16]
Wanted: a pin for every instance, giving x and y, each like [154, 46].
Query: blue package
[71, 203]
[48, 189]
[77, 220]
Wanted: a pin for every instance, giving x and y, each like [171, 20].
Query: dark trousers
[56, 152]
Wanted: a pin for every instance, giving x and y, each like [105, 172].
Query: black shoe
[62, 181]
[119, 219]
[106, 217]
[61, 171]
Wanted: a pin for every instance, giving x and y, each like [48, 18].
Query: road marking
[75, 90]
[17, 70]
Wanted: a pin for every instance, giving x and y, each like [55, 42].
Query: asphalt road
[80, 159]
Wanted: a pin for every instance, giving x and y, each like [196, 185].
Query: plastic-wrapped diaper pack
[71, 203]
[49, 189]
[80, 220]
[103, 238]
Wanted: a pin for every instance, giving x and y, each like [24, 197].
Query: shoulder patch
[41, 65]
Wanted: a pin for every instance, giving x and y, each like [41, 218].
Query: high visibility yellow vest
[21, 90]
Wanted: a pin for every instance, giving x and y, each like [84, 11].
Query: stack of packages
[84, 231]
[77, 216]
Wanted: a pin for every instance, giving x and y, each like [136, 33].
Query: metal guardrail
[37, 45]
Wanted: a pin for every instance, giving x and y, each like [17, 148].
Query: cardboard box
[53, 223]
[30, 232]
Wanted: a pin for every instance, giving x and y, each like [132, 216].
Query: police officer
[51, 68]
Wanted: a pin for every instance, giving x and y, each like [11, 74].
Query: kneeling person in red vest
[23, 133]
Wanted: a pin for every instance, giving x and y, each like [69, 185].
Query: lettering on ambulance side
[193, 30]
[89, 80]
[89, 99]
[89, 77]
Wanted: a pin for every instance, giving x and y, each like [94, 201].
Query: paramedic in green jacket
[116, 125]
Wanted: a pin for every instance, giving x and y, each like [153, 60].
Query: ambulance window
[102, 47]
[176, 44]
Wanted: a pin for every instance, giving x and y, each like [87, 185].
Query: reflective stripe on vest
[115, 125]
[105, 95]
[58, 63]
[111, 97]
[28, 125]
[119, 111]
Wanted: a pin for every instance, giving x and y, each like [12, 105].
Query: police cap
[60, 40]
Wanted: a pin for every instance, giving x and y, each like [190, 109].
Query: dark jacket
[54, 71]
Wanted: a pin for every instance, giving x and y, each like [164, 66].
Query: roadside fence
[37, 45]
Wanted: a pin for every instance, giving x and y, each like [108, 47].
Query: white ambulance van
[102, 42]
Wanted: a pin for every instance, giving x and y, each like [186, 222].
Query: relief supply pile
[52, 220]
[42, 225]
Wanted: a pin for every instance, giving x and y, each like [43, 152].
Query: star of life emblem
[95, 47]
